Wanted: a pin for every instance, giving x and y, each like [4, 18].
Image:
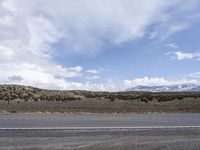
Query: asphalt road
[100, 132]
[100, 121]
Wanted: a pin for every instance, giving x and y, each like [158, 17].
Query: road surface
[100, 131]
[100, 121]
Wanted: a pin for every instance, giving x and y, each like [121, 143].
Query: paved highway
[99, 121]
[100, 132]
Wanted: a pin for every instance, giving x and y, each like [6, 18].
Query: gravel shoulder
[127, 139]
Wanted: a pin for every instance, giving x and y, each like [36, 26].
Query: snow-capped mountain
[169, 88]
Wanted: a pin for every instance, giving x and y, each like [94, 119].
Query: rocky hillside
[16, 92]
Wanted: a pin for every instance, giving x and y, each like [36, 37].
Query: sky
[99, 45]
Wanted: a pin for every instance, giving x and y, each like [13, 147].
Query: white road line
[79, 128]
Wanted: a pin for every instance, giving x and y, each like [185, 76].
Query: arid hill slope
[15, 98]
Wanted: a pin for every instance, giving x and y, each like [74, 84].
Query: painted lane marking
[79, 128]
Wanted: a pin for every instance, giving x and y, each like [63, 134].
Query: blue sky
[98, 44]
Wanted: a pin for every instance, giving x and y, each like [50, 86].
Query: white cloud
[93, 71]
[66, 72]
[172, 45]
[25, 51]
[180, 17]
[181, 55]
[94, 77]
[156, 81]
[84, 26]
[184, 56]
[16, 78]
[146, 81]
[93, 74]
[167, 29]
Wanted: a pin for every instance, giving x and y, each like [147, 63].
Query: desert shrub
[179, 97]
[144, 99]
[13, 111]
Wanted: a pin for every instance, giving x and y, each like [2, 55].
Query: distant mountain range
[169, 88]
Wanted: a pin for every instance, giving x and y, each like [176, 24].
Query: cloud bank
[157, 81]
